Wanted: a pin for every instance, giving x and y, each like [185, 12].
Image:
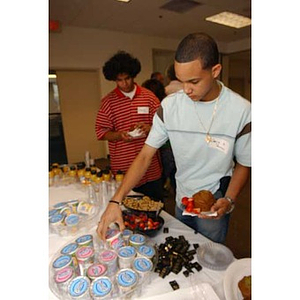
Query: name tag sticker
[219, 144]
[143, 110]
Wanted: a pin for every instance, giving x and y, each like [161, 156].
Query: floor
[239, 233]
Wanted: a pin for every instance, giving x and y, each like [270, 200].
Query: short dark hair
[122, 62]
[156, 87]
[154, 75]
[198, 46]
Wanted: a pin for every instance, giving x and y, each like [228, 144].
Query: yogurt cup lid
[60, 205]
[101, 286]
[108, 255]
[69, 249]
[62, 261]
[137, 238]
[96, 270]
[142, 264]
[84, 252]
[127, 232]
[84, 238]
[72, 220]
[112, 234]
[126, 252]
[56, 218]
[53, 212]
[64, 274]
[127, 277]
[78, 286]
[146, 250]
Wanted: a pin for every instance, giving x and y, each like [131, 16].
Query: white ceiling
[147, 18]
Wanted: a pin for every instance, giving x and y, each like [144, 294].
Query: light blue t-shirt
[201, 165]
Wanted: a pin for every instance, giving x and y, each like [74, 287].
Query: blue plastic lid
[142, 264]
[78, 286]
[127, 277]
[84, 238]
[62, 261]
[101, 286]
[70, 248]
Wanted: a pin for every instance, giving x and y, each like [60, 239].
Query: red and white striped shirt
[119, 113]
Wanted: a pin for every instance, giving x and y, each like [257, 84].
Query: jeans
[213, 229]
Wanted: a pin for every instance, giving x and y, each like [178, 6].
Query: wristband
[114, 201]
[232, 205]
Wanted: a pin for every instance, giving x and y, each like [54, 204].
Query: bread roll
[204, 200]
[245, 287]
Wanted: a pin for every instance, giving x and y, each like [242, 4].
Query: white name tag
[219, 144]
[143, 110]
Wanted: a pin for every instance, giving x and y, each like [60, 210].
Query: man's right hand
[112, 214]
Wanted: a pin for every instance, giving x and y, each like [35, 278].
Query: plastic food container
[86, 208]
[142, 266]
[110, 258]
[66, 211]
[137, 240]
[114, 239]
[126, 279]
[101, 288]
[85, 240]
[126, 256]
[79, 288]
[62, 262]
[60, 205]
[73, 204]
[56, 221]
[63, 277]
[85, 258]
[96, 270]
[146, 251]
[72, 220]
[53, 212]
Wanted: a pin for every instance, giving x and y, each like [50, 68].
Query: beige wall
[88, 49]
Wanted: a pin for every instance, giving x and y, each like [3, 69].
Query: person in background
[158, 76]
[174, 84]
[166, 153]
[209, 127]
[124, 119]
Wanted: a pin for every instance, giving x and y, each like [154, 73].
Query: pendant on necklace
[208, 138]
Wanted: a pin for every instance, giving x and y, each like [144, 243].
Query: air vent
[180, 6]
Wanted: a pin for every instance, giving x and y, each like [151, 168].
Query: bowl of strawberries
[142, 222]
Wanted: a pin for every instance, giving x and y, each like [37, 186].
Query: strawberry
[184, 201]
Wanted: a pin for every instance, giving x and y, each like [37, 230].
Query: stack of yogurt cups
[90, 269]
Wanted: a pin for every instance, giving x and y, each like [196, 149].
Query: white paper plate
[235, 272]
[214, 256]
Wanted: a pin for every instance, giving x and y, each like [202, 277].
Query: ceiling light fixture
[124, 1]
[230, 19]
[50, 76]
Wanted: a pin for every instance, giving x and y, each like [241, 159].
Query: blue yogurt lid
[78, 286]
[101, 286]
[69, 249]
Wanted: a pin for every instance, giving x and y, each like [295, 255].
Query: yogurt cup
[146, 251]
[86, 208]
[85, 240]
[126, 256]
[101, 288]
[126, 279]
[63, 277]
[78, 288]
[110, 259]
[96, 270]
[56, 220]
[71, 249]
[71, 222]
[60, 205]
[62, 262]
[142, 266]
[85, 258]
[137, 240]
[73, 204]
[126, 235]
[53, 212]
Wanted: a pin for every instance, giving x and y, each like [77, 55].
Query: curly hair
[122, 62]
[198, 46]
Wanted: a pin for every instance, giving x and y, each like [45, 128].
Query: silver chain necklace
[208, 138]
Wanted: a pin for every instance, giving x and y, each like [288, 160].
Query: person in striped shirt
[125, 118]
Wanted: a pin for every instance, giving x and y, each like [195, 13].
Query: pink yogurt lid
[108, 256]
[96, 270]
[64, 274]
[84, 252]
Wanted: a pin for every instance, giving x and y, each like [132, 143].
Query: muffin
[204, 200]
[245, 287]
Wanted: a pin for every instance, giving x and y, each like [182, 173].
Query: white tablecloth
[159, 287]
